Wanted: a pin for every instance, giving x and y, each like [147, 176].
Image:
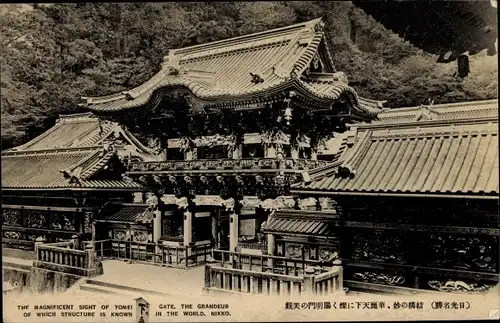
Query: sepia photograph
[250, 161]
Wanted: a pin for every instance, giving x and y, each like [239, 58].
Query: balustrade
[66, 257]
[153, 253]
[329, 282]
[225, 164]
[236, 272]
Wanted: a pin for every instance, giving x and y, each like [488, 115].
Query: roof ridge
[263, 34]
[96, 166]
[311, 51]
[76, 115]
[51, 151]
[445, 105]
[71, 168]
[128, 136]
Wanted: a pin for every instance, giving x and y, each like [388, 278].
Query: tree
[54, 54]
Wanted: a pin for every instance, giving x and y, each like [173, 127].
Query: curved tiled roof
[131, 213]
[80, 130]
[69, 168]
[221, 72]
[453, 149]
[439, 112]
[68, 155]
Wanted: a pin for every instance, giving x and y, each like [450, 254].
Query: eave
[305, 93]
[306, 192]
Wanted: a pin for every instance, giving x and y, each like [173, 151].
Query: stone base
[48, 281]
[17, 275]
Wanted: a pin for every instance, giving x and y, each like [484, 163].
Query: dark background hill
[54, 54]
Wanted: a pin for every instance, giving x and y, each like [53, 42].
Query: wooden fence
[64, 257]
[235, 276]
[274, 264]
[154, 253]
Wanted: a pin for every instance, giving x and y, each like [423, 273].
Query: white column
[294, 150]
[237, 152]
[157, 226]
[92, 228]
[314, 154]
[270, 151]
[215, 230]
[188, 230]
[233, 232]
[270, 248]
[139, 197]
[189, 155]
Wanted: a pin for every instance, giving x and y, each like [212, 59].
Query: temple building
[54, 185]
[257, 147]
[416, 198]
[235, 123]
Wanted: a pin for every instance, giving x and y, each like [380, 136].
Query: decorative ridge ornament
[426, 113]
[319, 26]
[307, 202]
[229, 204]
[256, 78]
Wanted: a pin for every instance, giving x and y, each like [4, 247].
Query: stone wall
[39, 280]
[48, 281]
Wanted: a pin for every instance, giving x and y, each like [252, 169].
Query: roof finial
[256, 78]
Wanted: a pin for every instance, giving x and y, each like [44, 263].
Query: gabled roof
[79, 131]
[69, 154]
[69, 168]
[442, 149]
[300, 222]
[241, 69]
[126, 213]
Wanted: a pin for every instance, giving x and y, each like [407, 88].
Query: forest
[52, 55]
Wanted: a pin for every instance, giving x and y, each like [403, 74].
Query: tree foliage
[54, 54]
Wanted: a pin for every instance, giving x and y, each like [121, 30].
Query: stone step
[90, 288]
[16, 267]
[18, 264]
[359, 293]
[92, 284]
[361, 288]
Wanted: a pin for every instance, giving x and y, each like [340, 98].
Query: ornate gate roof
[247, 70]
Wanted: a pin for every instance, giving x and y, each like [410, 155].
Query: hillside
[54, 54]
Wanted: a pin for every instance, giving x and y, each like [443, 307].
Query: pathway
[172, 281]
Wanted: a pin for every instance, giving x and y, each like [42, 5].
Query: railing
[222, 164]
[268, 280]
[266, 263]
[153, 253]
[19, 237]
[329, 282]
[64, 257]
